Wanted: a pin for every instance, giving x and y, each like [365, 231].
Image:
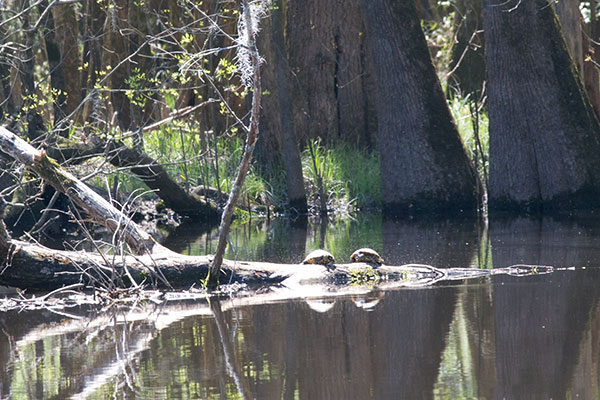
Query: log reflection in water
[118, 366]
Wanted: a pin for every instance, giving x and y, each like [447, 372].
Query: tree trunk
[291, 152]
[116, 51]
[6, 86]
[570, 22]
[424, 167]
[35, 123]
[33, 266]
[581, 47]
[544, 135]
[55, 64]
[92, 61]
[67, 34]
[332, 94]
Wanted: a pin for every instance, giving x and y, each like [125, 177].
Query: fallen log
[29, 265]
[152, 173]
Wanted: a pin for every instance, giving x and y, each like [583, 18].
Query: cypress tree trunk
[332, 94]
[570, 21]
[6, 95]
[581, 43]
[57, 78]
[116, 51]
[35, 123]
[92, 47]
[544, 136]
[291, 152]
[67, 35]
[423, 163]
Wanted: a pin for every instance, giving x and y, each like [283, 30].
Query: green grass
[464, 116]
[360, 170]
[350, 175]
[195, 159]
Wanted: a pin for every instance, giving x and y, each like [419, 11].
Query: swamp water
[527, 337]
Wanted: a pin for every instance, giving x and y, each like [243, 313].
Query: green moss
[364, 276]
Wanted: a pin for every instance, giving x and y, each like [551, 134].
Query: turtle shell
[366, 255]
[319, 257]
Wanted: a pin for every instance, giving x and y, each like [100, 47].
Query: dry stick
[41, 223]
[464, 53]
[246, 158]
[174, 116]
[474, 110]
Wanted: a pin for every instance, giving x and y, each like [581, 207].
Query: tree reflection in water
[499, 337]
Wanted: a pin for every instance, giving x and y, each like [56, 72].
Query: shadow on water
[495, 337]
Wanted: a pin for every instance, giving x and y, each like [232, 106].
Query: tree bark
[55, 64]
[581, 48]
[570, 22]
[291, 152]
[424, 167]
[544, 135]
[332, 91]
[6, 86]
[35, 124]
[92, 62]
[67, 35]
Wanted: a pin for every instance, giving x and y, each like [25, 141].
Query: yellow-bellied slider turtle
[366, 255]
[319, 257]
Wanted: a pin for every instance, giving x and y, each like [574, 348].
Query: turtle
[366, 255]
[319, 257]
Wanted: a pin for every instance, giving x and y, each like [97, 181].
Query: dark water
[533, 337]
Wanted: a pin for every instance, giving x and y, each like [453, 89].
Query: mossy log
[31, 266]
[28, 265]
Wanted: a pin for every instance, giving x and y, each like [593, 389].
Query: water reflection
[499, 337]
[441, 244]
[546, 314]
